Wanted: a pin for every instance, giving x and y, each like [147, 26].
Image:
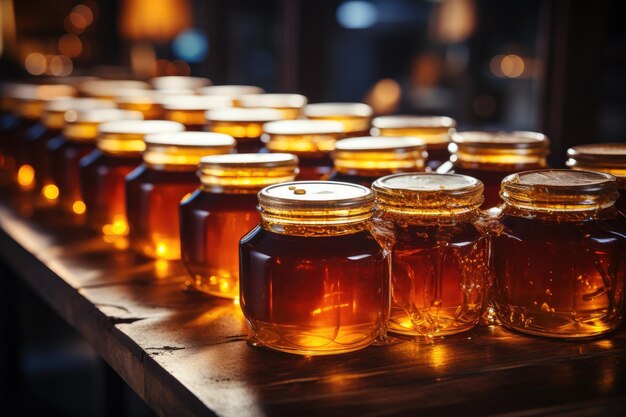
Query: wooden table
[186, 355]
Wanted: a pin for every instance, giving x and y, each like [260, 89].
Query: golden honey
[435, 131]
[66, 150]
[559, 256]
[311, 140]
[439, 258]
[155, 188]
[217, 215]
[190, 110]
[355, 117]
[234, 92]
[102, 172]
[289, 104]
[602, 157]
[365, 159]
[491, 156]
[244, 124]
[314, 281]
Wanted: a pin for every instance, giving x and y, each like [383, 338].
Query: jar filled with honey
[314, 281]
[355, 117]
[147, 102]
[190, 110]
[217, 215]
[311, 140]
[66, 150]
[102, 172]
[602, 157]
[365, 159]
[289, 104]
[435, 131]
[155, 188]
[559, 255]
[244, 124]
[233, 92]
[491, 156]
[179, 83]
[439, 258]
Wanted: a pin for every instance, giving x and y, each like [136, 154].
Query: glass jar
[103, 172]
[355, 117]
[215, 217]
[245, 125]
[110, 89]
[558, 258]
[363, 160]
[311, 140]
[66, 150]
[155, 188]
[147, 102]
[491, 156]
[232, 91]
[289, 104]
[190, 110]
[435, 131]
[439, 258]
[179, 82]
[602, 157]
[314, 281]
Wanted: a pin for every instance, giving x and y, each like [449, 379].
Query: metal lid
[237, 114]
[141, 127]
[179, 83]
[184, 148]
[294, 101]
[195, 103]
[501, 140]
[338, 110]
[232, 91]
[378, 143]
[405, 121]
[303, 127]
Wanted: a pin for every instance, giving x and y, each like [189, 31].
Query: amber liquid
[314, 295]
[13, 153]
[560, 278]
[36, 142]
[439, 276]
[152, 199]
[102, 180]
[211, 226]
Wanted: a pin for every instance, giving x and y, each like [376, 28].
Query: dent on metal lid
[191, 139]
[378, 143]
[140, 127]
[338, 110]
[177, 82]
[515, 139]
[237, 114]
[232, 91]
[405, 121]
[195, 103]
[273, 100]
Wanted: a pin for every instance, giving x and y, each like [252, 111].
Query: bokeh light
[191, 45]
[357, 14]
[36, 63]
[60, 66]
[70, 45]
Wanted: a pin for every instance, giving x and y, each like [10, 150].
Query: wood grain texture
[186, 354]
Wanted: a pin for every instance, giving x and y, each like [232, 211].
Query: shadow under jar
[314, 281]
[190, 110]
[66, 150]
[219, 213]
[491, 156]
[435, 131]
[103, 172]
[363, 160]
[355, 117]
[311, 140]
[609, 158]
[289, 104]
[155, 188]
[559, 258]
[439, 258]
[245, 125]
[234, 92]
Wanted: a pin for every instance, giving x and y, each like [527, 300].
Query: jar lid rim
[380, 143]
[399, 121]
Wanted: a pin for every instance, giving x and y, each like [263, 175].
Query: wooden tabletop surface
[186, 354]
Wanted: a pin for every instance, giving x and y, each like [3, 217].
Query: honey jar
[558, 258]
[102, 172]
[363, 160]
[355, 117]
[289, 104]
[155, 188]
[147, 102]
[66, 150]
[491, 156]
[439, 258]
[110, 88]
[190, 110]
[435, 131]
[314, 281]
[311, 140]
[179, 83]
[602, 157]
[217, 215]
[245, 125]
[234, 92]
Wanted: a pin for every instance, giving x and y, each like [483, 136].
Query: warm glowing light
[384, 97]
[236, 300]
[70, 45]
[60, 66]
[453, 20]
[161, 249]
[161, 267]
[51, 192]
[79, 207]
[84, 12]
[154, 20]
[26, 176]
[185, 197]
[36, 63]
[512, 66]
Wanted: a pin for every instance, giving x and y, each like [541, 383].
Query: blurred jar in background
[110, 88]
[190, 110]
[234, 92]
[289, 104]
[355, 117]
[147, 102]
[179, 83]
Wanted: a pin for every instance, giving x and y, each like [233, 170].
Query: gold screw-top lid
[57, 111]
[559, 190]
[177, 82]
[604, 157]
[320, 203]
[289, 104]
[421, 193]
[241, 122]
[184, 149]
[434, 130]
[127, 136]
[500, 148]
[377, 154]
[232, 91]
[111, 88]
[246, 172]
[190, 110]
[355, 117]
[83, 125]
[30, 98]
[302, 137]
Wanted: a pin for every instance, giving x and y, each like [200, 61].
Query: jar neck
[350, 123]
[377, 163]
[484, 165]
[127, 145]
[436, 136]
[238, 130]
[444, 214]
[560, 215]
[306, 229]
[187, 117]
